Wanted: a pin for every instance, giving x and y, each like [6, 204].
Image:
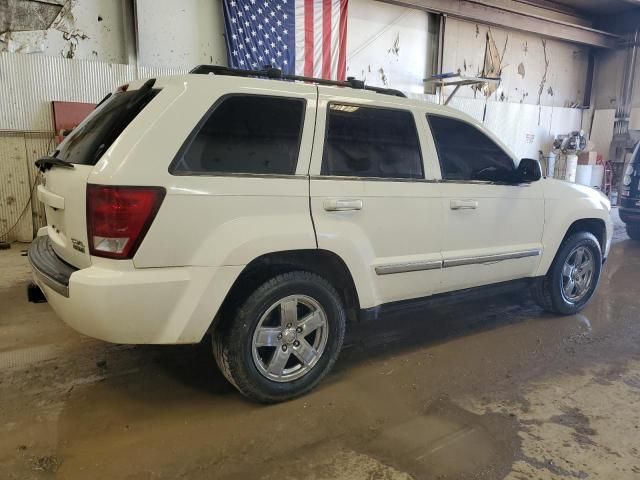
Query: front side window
[371, 142]
[245, 134]
[466, 153]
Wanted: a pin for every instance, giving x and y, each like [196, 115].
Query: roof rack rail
[276, 74]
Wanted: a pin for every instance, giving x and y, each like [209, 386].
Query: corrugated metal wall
[28, 85]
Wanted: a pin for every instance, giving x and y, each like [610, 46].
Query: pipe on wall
[623, 110]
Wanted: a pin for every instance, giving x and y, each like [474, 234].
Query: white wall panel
[180, 34]
[528, 129]
[387, 45]
[525, 129]
[602, 130]
[471, 106]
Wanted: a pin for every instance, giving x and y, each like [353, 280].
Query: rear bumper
[115, 302]
[48, 268]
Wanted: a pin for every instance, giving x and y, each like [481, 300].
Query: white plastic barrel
[572, 167]
[551, 164]
[584, 174]
[597, 177]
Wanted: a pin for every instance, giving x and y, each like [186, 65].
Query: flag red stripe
[342, 38]
[326, 39]
[308, 38]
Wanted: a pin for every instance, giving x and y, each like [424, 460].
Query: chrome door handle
[342, 204]
[463, 204]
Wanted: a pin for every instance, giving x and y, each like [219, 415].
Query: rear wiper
[45, 163]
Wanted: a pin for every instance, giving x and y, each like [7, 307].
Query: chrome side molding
[408, 267]
[497, 257]
[417, 266]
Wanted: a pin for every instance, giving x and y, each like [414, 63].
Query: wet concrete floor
[489, 387]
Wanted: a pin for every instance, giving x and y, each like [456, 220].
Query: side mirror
[529, 170]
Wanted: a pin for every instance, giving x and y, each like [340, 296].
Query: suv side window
[371, 142]
[466, 153]
[245, 134]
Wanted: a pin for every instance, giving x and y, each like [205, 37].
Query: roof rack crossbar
[276, 74]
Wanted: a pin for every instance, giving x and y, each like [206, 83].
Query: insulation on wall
[15, 189]
[533, 70]
[81, 29]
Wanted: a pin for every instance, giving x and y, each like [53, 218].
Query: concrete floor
[490, 387]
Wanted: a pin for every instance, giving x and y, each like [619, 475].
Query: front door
[374, 199]
[492, 228]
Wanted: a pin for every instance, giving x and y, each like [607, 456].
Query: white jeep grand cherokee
[268, 212]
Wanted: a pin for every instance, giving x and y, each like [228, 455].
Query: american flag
[301, 37]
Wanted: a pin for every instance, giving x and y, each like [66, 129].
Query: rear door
[373, 198]
[492, 228]
[63, 188]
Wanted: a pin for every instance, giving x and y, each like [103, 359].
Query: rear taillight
[118, 218]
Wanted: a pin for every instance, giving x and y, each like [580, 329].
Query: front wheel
[284, 338]
[633, 230]
[573, 276]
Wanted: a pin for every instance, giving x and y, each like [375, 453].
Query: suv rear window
[371, 142]
[89, 140]
[245, 134]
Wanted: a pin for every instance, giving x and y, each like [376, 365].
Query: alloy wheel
[290, 338]
[577, 274]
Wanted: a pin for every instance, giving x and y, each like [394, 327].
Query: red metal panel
[68, 115]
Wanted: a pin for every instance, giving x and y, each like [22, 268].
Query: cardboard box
[588, 158]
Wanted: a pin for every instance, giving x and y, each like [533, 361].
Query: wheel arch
[324, 263]
[593, 225]
[596, 226]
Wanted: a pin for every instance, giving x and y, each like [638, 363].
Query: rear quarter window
[89, 140]
[244, 134]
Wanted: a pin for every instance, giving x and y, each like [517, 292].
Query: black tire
[547, 291]
[233, 340]
[633, 230]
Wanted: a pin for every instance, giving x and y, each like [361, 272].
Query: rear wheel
[284, 337]
[633, 230]
[573, 276]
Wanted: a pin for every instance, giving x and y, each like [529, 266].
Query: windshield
[89, 140]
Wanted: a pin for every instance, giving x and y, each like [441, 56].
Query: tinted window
[246, 134]
[89, 140]
[468, 154]
[371, 142]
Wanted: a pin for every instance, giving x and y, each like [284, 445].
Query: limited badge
[77, 245]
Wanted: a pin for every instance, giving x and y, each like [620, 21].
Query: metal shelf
[457, 81]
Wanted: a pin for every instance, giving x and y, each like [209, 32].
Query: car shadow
[437, 320]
